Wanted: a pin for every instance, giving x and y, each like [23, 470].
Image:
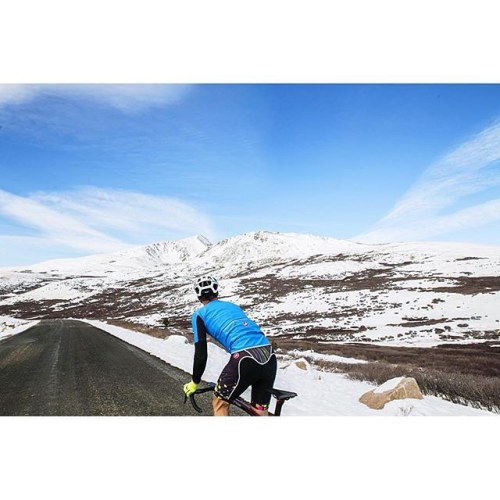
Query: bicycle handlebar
[208, 388]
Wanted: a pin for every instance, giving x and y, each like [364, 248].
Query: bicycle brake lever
[208, 388]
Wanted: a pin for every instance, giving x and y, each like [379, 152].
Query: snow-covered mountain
[303, 289]
[137, 259]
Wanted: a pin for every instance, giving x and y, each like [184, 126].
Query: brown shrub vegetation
[479, 391]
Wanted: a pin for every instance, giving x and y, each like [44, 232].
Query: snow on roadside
[326, 357]
[11, 326]
[320, 393]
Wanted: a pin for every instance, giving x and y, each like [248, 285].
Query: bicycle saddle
[282, 395]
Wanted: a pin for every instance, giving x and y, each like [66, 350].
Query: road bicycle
[280, 396]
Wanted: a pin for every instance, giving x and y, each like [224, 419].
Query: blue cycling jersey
[229, 325]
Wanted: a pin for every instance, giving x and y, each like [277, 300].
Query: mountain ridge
[302, 289]
[195, 246]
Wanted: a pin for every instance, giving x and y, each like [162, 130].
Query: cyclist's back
[229, 325]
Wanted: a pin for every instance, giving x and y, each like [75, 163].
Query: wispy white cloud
[54, 225]
[128, 212]
[128, 98]
[17, 94]
[471, 168]
[95, 220]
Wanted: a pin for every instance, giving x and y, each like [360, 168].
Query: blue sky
[97, 168]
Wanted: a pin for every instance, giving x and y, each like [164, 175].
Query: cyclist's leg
[261, 397]
[233, 381]
[224, 387]
[248, 370]
[220, 407]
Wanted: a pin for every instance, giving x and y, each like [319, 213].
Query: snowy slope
[266, 247]
[12, 326]
[144, 258]
[299, 287]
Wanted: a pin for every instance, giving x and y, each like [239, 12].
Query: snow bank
[11, 326]
[326, 357]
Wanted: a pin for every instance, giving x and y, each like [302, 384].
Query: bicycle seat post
[281, 397]
[279, 406]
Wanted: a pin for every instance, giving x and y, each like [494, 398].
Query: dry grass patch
[478, 391]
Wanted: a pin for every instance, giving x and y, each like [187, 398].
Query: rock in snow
[397, 388]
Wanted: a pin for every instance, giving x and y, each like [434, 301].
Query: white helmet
[206, 286]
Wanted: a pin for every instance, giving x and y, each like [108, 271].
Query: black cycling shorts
[255, 367]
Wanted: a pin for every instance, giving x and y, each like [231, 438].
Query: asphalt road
[69, 368]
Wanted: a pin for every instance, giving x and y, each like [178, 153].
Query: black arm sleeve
[200, 351]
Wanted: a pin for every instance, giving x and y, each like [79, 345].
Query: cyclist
[252, 362]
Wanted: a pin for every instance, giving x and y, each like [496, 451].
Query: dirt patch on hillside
[471, 286]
